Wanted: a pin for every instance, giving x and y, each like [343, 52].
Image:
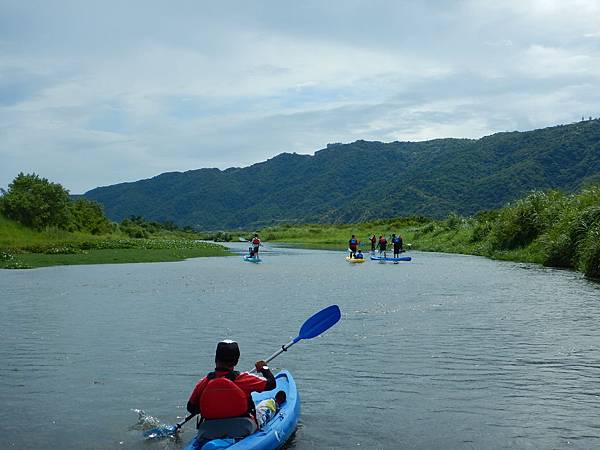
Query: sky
[94, 93]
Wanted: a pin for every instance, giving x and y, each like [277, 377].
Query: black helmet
[228, 351]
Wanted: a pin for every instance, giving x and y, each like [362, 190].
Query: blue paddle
[315, 325]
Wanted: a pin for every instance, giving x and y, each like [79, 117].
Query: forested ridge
[347, 183]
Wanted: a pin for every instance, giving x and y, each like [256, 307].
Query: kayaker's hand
[260, 364]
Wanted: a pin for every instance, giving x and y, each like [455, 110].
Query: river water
[444, 352]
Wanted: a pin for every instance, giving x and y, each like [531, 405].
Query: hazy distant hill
[367, 180]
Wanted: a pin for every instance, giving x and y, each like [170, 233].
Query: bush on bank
[557, 229]
[547, 227]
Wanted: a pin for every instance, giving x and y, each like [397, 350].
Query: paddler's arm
[192, 408]
[193, 404]
[263, 369]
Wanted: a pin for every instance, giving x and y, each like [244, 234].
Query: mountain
[367, 180]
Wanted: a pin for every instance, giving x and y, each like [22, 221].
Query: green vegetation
[545, 227]
[37, 203]
[365, 181]
[41, 226]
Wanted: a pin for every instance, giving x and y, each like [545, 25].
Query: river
[444, 352]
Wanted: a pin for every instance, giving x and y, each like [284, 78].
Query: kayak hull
[381, 258]
[252, 259]
[274, 433]
[355, 260]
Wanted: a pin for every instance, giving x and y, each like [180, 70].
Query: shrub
[35, 202]
[133, 230]
[519, 223]
[89, 216]
[425, 229]
[562, 243]
[481, 230]
[222, 236]
[590, 253]
[453, 222]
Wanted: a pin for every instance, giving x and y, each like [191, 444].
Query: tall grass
[546, 227]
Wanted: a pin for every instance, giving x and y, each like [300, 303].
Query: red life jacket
[222, 398]
[383, 241]
[256, 241]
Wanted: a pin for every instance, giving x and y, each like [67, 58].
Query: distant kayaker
[397, 243]
[222, 398]
[255, 244]
[352, 245]
[373, 243]
[359, 255]
[382, 244]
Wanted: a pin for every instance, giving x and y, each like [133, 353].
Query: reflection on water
[446, 351]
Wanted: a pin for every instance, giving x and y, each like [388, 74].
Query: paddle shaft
[278, 352]
[187, 419]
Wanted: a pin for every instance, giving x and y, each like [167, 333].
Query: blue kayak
[254, 259]
[388, 258]
[276, 432]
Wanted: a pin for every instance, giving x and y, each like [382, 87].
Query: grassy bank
[548, 228]
[23, 247]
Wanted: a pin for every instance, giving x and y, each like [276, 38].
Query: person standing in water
[382, 245]
[373, 243]
[255, 245]
[353, 245]
[397, 243]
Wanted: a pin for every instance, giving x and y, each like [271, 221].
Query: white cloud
[96, 94]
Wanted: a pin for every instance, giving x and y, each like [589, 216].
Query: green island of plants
[545, 227]
[41, 226]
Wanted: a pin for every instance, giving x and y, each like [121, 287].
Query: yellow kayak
[355, 260]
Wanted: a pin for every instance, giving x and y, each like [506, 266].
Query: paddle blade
[161, 432]
[320, 322]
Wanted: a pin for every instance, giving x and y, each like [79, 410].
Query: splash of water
[145, 421]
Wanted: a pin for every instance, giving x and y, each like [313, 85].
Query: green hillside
[367, 180]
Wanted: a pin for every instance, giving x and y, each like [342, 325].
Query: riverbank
[24, 248]
[549, 228]
[425, 235]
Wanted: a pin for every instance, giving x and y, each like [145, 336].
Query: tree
[36, 202]
[88, 216]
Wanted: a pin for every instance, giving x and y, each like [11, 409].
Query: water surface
[444, 352]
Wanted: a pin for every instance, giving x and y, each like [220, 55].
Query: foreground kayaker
[222, 398]
[281, 427]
